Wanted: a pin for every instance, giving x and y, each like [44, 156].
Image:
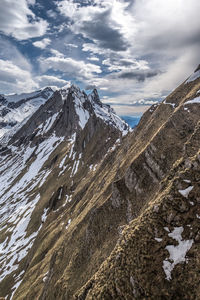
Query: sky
[135, 52]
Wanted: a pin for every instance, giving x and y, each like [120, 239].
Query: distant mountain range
[90, 209]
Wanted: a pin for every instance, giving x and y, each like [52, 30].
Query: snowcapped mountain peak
[57, 135]
[15, 109]
[74, 88]
[63, 112]
[84, 106]
[45, 93]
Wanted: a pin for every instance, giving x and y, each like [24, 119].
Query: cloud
[71, 45]
[90, 87]
[98, 29]
[93, 48]
[128, 110]
[168, 37]
[31, 2]
[51, 14]
[9, 51]
[117, 62]
[77, 69]
[93, 58]
[18, 20]
[57, 53]
[97, 22]
[132, 50]
[42, 44]
[68, 8]
[15, 79]
[138, 75]
[47, 80]
[162, 35]
[166, 25]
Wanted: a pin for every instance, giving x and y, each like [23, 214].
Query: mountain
[48, 160]
[16, 109]
[156, 255]
[91, 211]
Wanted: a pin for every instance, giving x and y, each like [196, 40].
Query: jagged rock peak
[63, 111]
[86, 105]
[94, 96]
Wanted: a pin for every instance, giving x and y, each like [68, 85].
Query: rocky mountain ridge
[107, 216]
[156, 255]
[16, 109]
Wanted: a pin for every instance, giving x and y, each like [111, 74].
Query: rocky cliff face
[106, 216]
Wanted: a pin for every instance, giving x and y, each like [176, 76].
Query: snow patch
[82, 113]
[158, 240]
[194, 76]
[44, 215]
[93, 167]
[193, 101]
[172, 104]
[185, 192]
[15, 205]
[177, 254]
[72, 141]
[68, 199]
[44, 279]
[108, 115]
[17, 284]
[187, 180]
[68, 223]
[44, 128]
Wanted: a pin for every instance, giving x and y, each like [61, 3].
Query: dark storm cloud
[90, 87]
[118, 60]
[126, 62]
[138, 75]
[130, 4]
[99, 29]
